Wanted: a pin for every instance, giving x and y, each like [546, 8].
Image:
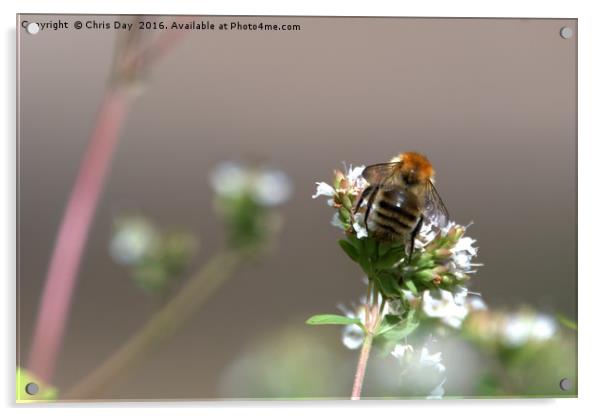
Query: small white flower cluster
[267, 187]
[450, 307]
[348, 184]
[352, 183]
[520, 328]
[132, 240]
[462, 252]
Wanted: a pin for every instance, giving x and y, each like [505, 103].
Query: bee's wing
[376, 173]
[434, 208]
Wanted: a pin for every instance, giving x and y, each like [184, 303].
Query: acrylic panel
[222, 207]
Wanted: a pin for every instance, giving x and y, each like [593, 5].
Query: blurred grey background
[491, 102]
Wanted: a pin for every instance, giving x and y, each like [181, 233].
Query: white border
[590, 112]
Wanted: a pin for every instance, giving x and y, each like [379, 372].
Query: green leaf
[410, 285]
[364, 262]
[393, 256]
[402, 329]
[388, 323]
[566, 321]
[388, 285]
[383, 248]
[331, 319]
[371, 246]
[349, 249]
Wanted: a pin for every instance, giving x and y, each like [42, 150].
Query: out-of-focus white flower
[443, 304]
[476, 303]
[423, 369]
[132, 240]
[267, 187]
[353, 335]
[431, 360]
[272, 187]
[402, 350]
[360, 230]
[437, 392]
[229, 179]
[336, 221]
[521, 327]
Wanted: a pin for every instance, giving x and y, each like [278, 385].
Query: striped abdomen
[394, 214]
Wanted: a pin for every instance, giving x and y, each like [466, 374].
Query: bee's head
[414, 168]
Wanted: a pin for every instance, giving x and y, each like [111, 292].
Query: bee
[401, 197]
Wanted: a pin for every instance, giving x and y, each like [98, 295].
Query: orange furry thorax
[415, 165]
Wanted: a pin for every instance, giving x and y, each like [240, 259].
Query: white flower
[521, 327]
[437, 392]
[272, 187]
[360, 230]
[476, 303]
[443, 304]
[355, 181]
[431, 360]
[336, 221]
[133, 239]
[427, 233]
[462, 254]
[543, 328]
[401, 350]
[229, 179]
[324, 189]
[267, 187]
[466, 244]
[424, 371]
[353, 335]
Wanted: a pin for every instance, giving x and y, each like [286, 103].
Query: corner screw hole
[566, 32]
[565, 384]
[31, 389]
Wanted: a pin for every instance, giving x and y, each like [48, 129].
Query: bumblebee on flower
[416, 260]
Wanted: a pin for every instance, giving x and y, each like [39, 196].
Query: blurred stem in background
[131, 61]
[244, 198]
[73, 232]
[162, 325]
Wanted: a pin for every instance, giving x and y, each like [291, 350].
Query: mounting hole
[31, 388]
[566, 32]
[33, 28]
[565, 384]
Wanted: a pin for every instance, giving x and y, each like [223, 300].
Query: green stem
[160, 327]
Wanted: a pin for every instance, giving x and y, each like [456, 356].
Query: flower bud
[347, 202]
[443, 253]
[338, 178]
[440, 269]
[344, 215]
[455, 233]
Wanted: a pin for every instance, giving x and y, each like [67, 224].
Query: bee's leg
[373, 193]
[415, 232]
[363, 196]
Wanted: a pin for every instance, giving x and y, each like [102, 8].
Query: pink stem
[72, 236]
[361, 367]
